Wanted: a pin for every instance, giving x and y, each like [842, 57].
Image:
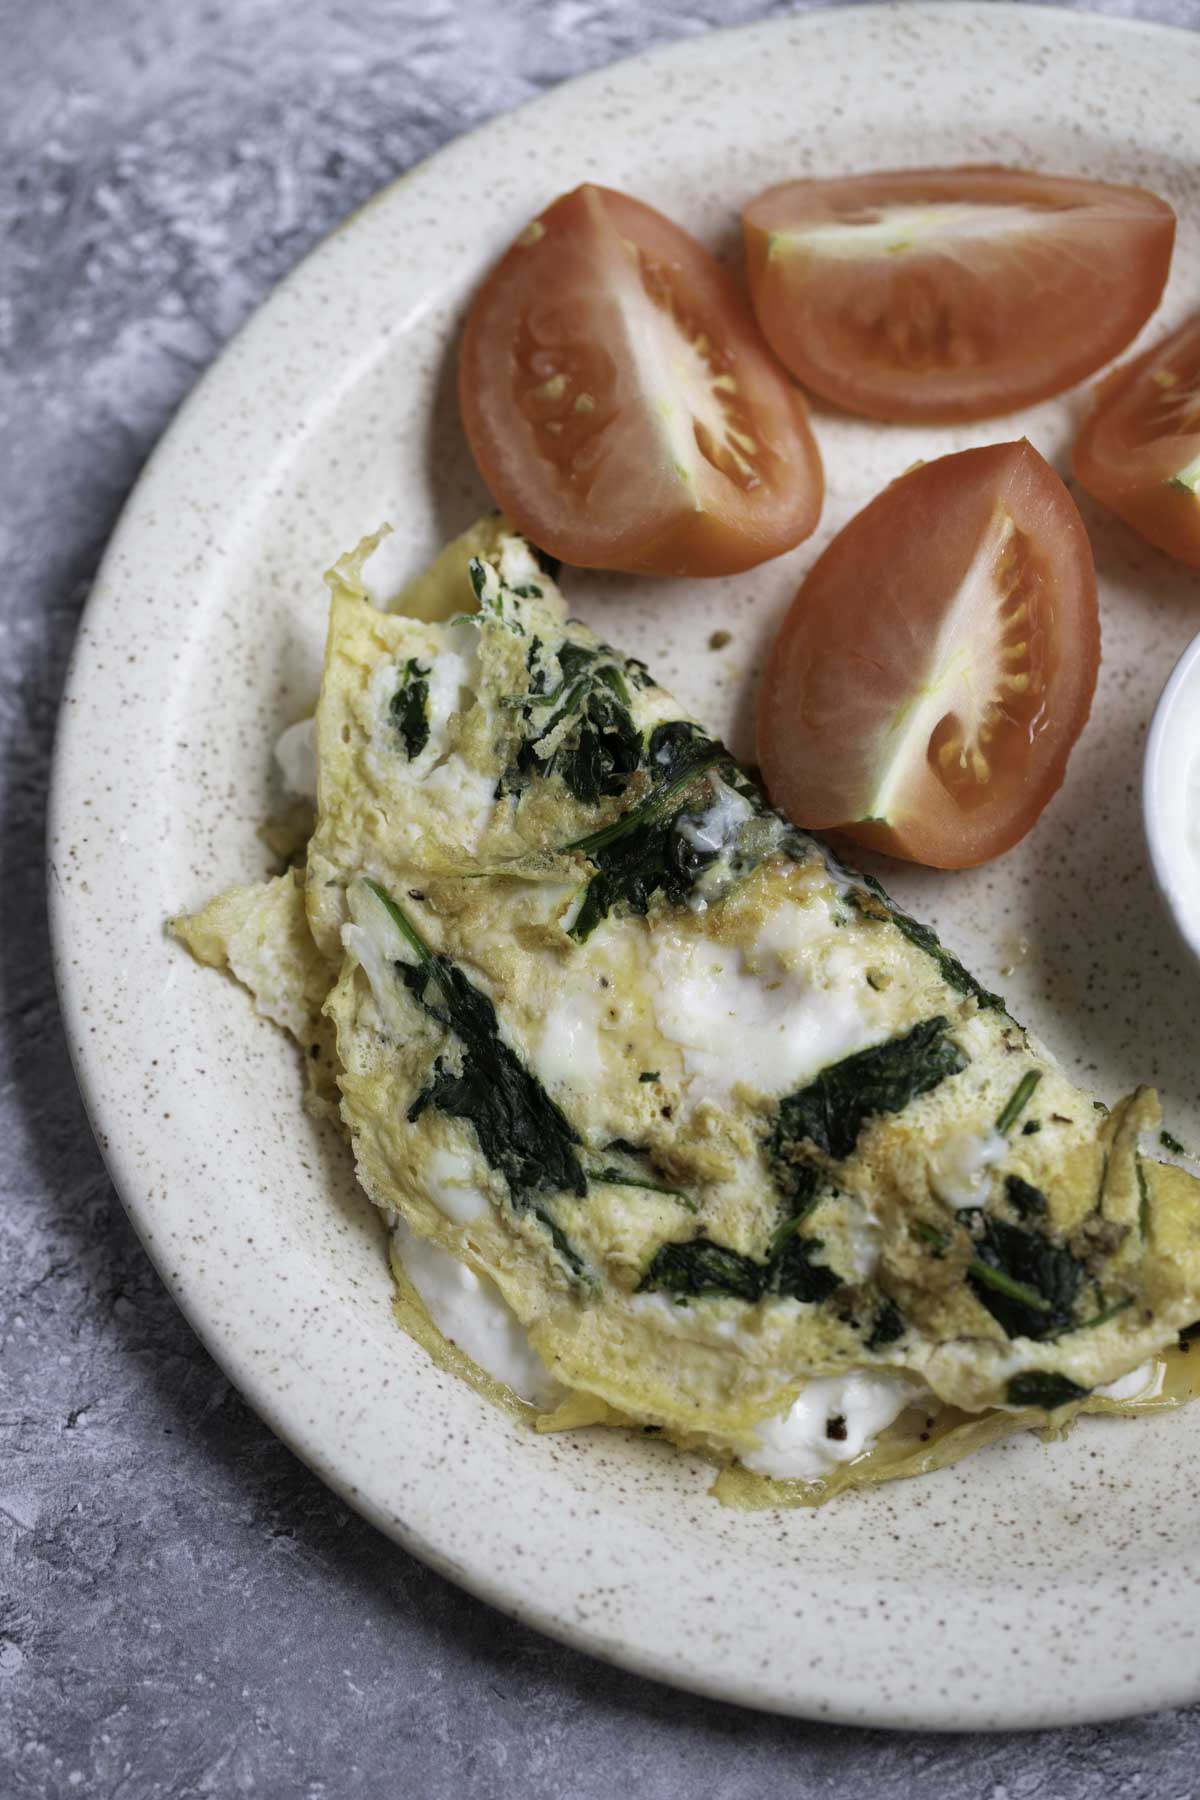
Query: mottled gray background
[184, 1610]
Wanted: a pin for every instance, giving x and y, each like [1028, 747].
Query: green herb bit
[1018, 1100]
[409, 708]
[1031, 1127]
[614, 1177]
[938, 1241]
[804, 1205]
[649, 1075]
[1143, 1200]
[1101, 1318]
[1170, 1142]
[491, 597]
[1049, 1392]
[521, 1131]
[831, 1112]
[1004, 1284]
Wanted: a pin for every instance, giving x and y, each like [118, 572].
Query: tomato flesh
[620, 402]
[1139, 451]
[953, 294]
[938, 662]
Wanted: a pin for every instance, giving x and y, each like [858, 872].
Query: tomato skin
[1143, 429]
[621, 404]
[968, 583]
[911, 332]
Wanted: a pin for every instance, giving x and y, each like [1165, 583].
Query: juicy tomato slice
[621, 405]
[944, 294]
[938, 663]
[1139, 452]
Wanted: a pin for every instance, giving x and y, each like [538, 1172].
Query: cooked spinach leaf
[521, 1131]
[704, 1267]
[1028, 1284]
[643, 853]
[1027, 1201]
[649, 850]
[794, 1274]
[601, 747]
[409, 708]
[788, 1269]
[830, 1113]
[924, 937]
[889, 1325]
[701, 1267]
[1036, 1388]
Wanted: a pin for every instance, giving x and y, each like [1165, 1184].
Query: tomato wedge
[938, 663]
[621, 405]
[944, 294]
[1139, 452]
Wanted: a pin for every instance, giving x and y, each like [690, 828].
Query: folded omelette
[716, 1141]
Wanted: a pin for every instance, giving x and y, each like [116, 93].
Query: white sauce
[296, 759]
[796, 1445]
[569, 1048]
[450, 1183]
[959, 1169]
[1142, 1383]
[767, 1021]
[471, 1312]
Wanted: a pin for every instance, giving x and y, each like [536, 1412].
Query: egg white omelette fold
[733, 1136]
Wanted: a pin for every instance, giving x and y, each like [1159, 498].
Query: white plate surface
[1031, 1584]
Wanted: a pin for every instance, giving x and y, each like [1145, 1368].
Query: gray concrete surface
[184, 1610]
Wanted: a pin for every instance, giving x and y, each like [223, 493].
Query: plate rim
[66, 910]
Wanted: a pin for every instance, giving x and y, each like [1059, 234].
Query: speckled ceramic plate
[1029, 1585]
